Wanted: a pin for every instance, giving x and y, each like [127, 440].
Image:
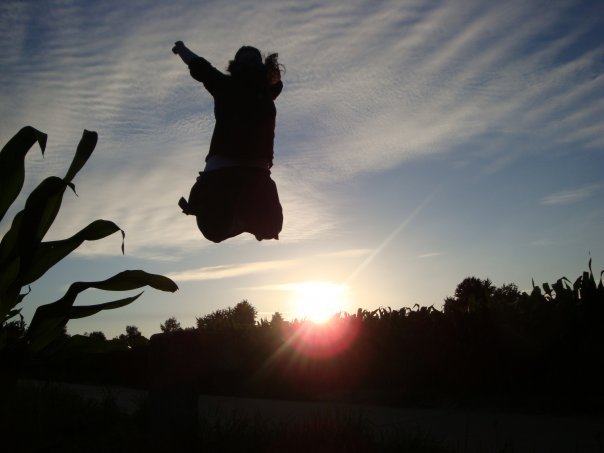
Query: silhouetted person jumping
[235, 193]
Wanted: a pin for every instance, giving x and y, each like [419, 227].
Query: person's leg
[210, 201]
[258, 206]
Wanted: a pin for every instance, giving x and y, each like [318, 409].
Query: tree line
[486, 345]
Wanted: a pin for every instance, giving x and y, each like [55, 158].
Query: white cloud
[350, 253]
[294, 287]
[228, 270]
[368, 85]
[430, 255]
[571, 196]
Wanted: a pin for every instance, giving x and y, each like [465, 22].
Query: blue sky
[417, 143]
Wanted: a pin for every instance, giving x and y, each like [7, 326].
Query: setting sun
[317, 301]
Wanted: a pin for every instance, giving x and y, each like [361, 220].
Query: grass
[320, 433]
[50, 419]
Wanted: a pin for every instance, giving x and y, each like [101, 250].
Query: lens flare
[324, 341]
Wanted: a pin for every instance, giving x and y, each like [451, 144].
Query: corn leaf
[31, 224]
[10, 314]
[9, 274]
[50, 253]
[83, 152]
[8, 245]
[9, 299]
[41, 209]
[49, 320]
[89, 310]
[12, 164]
[24, 295]
[133, 279]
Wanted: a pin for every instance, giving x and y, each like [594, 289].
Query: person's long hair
[256, 70]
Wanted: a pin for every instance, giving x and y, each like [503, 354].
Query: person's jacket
[244, 110]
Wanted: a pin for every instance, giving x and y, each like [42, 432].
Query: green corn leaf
[578, 283]
[10, 262]
[576, 288]
[31, 224]
[24, 295]
[49, 319]
[8, 245]
[50, 253]
[562, 289]
[133, 279]
[9, 299]
[89, 310]
[589, 287]
[41, 209]
[83, 152]
[12, 164]
[45, 329]
[10, 272]
[11, 314]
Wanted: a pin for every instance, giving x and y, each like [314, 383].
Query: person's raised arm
[200, 69]
[183, 52]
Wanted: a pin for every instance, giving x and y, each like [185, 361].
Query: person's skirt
[234, 200]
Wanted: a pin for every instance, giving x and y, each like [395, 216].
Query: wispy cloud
[572, 195]
[368, 85]
[308, 286]
[430, 255]
[542, 242]
[228, 270]
[350, 253]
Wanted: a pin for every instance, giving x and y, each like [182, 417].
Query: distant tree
[97, 335]
[244, 314]
[508, 292]
[277, 320]
[216, 319]
[133, 336]
[171, 325]
[132, 332]
[471, 295]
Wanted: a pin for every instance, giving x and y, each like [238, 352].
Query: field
[115, 419]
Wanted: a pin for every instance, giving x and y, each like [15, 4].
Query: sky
[417, 143]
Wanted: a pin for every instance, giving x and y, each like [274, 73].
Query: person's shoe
[182, 203]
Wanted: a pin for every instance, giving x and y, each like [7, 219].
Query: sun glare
[319, 301]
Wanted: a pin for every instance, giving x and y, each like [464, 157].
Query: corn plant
[25, 256]
[584, 291]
